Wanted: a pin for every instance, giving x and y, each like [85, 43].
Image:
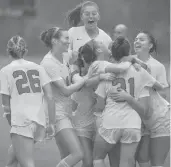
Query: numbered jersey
[23, 81]
[58, 71]
[121, 115]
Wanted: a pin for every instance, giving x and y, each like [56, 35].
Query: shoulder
[104, 34]
[155, 62]
[47, 60]
[6, 68]
[75, 30]
[30, 63]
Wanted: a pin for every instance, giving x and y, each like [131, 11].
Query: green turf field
[46, 155]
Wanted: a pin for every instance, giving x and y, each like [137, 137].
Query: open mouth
[137, 46]
[90, 22]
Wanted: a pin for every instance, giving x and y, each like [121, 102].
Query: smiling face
[62, 43]
[142, 43]
[90, 16]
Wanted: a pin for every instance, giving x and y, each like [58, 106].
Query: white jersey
[58, 71]
[23, 81]
[84, 114]
[121, 115]
[158, 105]
[79, 37]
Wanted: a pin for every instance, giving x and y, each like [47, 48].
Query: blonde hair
[16, 47]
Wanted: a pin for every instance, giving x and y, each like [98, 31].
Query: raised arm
[94, 80]
[117, 68]
[57, 80]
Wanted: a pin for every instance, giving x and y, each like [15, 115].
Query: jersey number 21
[123, 84]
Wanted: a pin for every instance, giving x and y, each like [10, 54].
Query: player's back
[133, 82]
[24, 80]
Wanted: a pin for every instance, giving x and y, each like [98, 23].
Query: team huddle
[89, 94]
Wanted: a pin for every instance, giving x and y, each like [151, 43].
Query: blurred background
[30, 17]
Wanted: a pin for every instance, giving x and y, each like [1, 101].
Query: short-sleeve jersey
[58, 71]
[158, 105]
[23, 81]
[121, 114]
[158, 71]
[79, 37]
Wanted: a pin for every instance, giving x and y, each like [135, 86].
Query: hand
[96, 68]
[107, 77]
[50, 130]
[74, 56]
[120, 95]
[137, 66]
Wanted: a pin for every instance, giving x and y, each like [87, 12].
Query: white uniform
[23, 81]
[119, 121]
[79, 37]
[84, 118]
[58, 71]
[157, 121]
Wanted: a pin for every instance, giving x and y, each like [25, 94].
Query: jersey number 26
[27, 83]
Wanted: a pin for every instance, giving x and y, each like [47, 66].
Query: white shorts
[112, 136]
[87, 131]
[35, 131]
[157, 126]
[64, 123]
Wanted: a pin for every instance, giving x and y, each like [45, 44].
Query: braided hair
[16, 47]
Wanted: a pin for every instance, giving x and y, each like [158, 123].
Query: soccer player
[155, 142]
[57, 40]
[23, 86]
[83, 119]
[86, 13]
[121, 118]
[83, 20]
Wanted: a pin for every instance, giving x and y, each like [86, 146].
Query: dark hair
[88, 53]
[16, 47]
[47, 35]
[120, 48]
[152, 41]
[74, 16]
